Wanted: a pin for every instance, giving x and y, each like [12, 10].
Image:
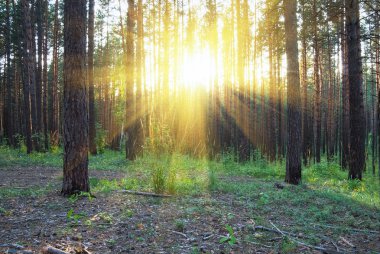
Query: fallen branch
[259, 244]
[350, 229]
[180, 233]
[12, 245]
[321, 249]
[347, 242]
[149, 194]
[205, 238]
[276, 231]
[282, 233]
[52, 250]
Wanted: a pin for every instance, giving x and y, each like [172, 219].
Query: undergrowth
[185, 175]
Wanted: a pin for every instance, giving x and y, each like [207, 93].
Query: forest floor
[235, 213]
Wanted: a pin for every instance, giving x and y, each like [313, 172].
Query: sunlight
[198, 70]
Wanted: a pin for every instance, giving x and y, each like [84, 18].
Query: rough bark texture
[45, 75]
[75, 126]
[54, 99]
[317, 82]
[293, 159]
[8, 109]
[345, 102]
[357, 117]
[306, 118]
[28, 70]
[130, 105]
[92, 114]
[139, 80]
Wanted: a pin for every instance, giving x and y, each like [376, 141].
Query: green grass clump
[18, 157]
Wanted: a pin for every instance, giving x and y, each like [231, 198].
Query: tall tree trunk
[75, 111]
[293, 160]
[39, 85]
[91, 95]
[345, 100]
[45, 74]
[357, 117]
[8, 109]
[306, 119]
[33, 86]
[130, 106]
[271, 105]
[28, 70]
[317, 83]
[54, 115]
[140, 61]
[330, 107]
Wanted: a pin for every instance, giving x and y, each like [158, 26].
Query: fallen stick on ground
[321, 249]
[259, 244]
[276, 231]
[350, 229]
[12, 245]
[179, 233]
[149, 194]
[52, 250]
[347, 242]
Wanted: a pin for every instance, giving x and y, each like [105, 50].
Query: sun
[198, 69]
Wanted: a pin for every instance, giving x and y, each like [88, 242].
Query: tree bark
[130, 105]
[293, 160]
[91, 95]
[345, 100]
[28, 70]
[317, 83]
[75, 111]
[8, 109]
[357, 117]
[54, 114]
[45, 75]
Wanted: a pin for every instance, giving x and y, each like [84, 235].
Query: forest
[189, 126]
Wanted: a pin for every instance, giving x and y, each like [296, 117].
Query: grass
[185, 175]
[323, 185]
[325, 196]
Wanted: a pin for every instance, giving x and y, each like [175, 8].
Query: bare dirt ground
[117, 222]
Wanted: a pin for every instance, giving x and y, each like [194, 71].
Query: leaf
[224, 239]
[230, 229]
[70, 213]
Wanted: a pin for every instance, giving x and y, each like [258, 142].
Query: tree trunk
[317, 82]
[28, 70]
[345, 101]
[75, 125]
[8, 109]
[357, 117]
[91, 95]
[45, 75]
[130, 106]
[54, 99]
[140, 61]
[293, 160]
[39, 85]
[330, 107]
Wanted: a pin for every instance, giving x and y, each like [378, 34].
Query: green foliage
[180, 225]
[74, 217]
[74, 198]
[101, 139]
[158, 179]
[212, 180]
[9, 192]
[230, 238]
[288, 246]
[161, 141]
[11, 157]
[104, 185]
